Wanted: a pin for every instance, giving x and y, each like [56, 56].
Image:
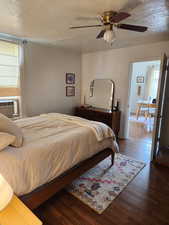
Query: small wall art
[139, 79]
[70, 91]
[70, 78]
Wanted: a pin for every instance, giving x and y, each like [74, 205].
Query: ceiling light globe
[109, 36]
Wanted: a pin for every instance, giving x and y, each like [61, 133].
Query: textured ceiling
[49, 21]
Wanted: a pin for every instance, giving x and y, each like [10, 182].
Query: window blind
[9, 65]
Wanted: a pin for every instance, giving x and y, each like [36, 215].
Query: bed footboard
[43, 193]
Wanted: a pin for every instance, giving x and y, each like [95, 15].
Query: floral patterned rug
[99, 186]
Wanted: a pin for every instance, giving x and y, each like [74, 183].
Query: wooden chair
[142, 108]
[151, 110]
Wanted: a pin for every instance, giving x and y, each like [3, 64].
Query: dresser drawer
[82, 113]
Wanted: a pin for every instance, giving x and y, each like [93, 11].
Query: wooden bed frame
[43, 193]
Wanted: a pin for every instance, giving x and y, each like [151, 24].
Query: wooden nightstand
[16, 213]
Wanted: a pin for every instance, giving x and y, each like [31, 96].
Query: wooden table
[16, 213]
[146, 105]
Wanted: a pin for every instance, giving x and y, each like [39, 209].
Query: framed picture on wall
[70, 78]
[139, 90]
[70, 91]
[139, 79]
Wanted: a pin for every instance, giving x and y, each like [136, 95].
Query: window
[154, 86]
[154, 83]
[9, 69]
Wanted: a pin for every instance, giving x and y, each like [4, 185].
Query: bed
[57, 148]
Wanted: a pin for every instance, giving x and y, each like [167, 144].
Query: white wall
[44, 79]
[115, 64]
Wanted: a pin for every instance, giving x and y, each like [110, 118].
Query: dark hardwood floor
[145, 201]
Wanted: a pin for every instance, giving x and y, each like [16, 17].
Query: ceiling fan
[109, 20]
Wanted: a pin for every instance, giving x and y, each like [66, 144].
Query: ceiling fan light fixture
[109, 36]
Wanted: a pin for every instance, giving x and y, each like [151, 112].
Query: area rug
[99, 186]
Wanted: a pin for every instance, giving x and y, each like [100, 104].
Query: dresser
[111, 118]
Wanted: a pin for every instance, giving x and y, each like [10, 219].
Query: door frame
[162, 91]
[129, 90]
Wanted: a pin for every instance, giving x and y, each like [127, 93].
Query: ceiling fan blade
[88, 26]
[117, 17]
[132, 27]
[101, 34]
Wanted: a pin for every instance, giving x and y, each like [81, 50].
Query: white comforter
[53, 143]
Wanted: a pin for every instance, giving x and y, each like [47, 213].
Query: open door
[162, 87]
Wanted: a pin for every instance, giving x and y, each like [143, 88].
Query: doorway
[142, 101]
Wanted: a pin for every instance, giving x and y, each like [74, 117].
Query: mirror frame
[92, 89]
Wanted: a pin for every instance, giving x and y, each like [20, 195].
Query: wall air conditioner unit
[7, 107]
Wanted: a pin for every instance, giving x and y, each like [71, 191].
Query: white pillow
[5, 140]
[8, 126]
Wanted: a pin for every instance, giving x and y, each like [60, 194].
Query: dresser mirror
[101, 94]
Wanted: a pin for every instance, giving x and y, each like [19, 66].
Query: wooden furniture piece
[111, 118]
[43, 193]
[16, 213]
[145, 105]
[152, 109]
